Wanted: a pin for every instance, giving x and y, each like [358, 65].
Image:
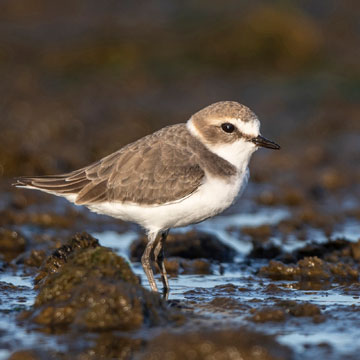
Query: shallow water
[304, 337]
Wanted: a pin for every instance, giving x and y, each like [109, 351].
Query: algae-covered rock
[106, 346]
[59, 257]
[35, 258]
[12, 243]
[25, 355]
[88, 287]
[100, 263]
[267, 314]
[99, 305]
[111, 346]
[310, 268]
[285, 309]
[334, 251]
[176, 266]
[223, 344]
[300, 309]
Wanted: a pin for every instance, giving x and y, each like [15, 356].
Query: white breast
[213, 197]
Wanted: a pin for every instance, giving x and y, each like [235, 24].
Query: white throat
[237, 153]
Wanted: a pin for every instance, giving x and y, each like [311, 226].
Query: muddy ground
[276, 276]
[271, 283]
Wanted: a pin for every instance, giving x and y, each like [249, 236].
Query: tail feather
[81, 186]
[58, 183]
[63, 185]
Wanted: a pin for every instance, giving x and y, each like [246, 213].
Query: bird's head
[229, 129]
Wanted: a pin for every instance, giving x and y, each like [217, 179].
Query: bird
[179, 175]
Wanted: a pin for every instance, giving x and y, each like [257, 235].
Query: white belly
[213, 197]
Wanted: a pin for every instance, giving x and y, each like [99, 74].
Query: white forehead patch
[251, 128]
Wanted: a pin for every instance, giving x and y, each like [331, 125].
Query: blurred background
[80, 79]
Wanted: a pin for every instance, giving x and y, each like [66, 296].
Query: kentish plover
[179, 175]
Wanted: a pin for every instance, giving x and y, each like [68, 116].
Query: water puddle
[17, 294]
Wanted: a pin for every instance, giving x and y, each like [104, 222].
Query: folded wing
[156, 169]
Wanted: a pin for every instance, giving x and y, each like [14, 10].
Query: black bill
[261, 141]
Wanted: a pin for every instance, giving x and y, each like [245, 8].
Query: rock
[324, 250]
[106, 346]
[111, 346]
[86, 287]
[223, 344]
[96, 305]
[35, 258]
[59, 257]
[288, 196]
[176, 266]
[262, 232]
[25, 355]
[285, 308]
[268, 314]
[191, 245]
[355, 251]
[224, 303]
[300, 309]
[12, 243]
[310, 268]
[264, 251]
[332, 179]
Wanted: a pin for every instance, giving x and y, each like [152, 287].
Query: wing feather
[93, 192]
[156, 169]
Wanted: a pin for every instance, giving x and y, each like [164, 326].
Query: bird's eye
[228, 127]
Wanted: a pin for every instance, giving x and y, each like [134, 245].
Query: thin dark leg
[146, 261]
[159, 258]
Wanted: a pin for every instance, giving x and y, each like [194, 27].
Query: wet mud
[247, 306]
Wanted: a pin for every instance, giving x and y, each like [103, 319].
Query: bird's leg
[146, 260]
[159, 258]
